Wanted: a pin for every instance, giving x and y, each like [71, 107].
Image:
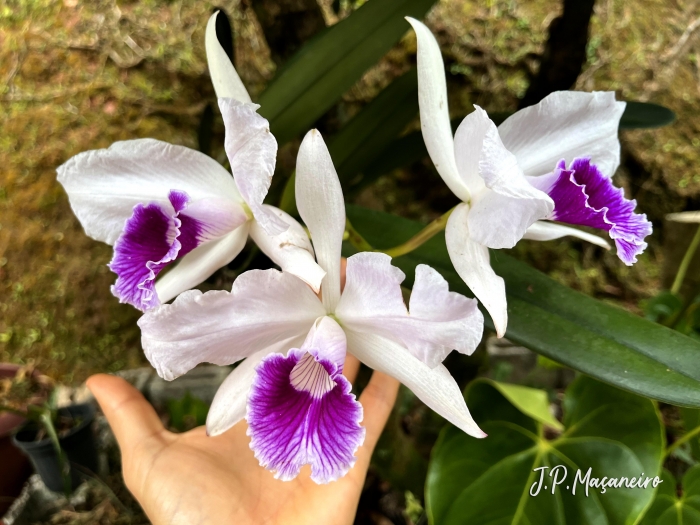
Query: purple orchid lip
[583, 196]
[301, 411]
[151, 239]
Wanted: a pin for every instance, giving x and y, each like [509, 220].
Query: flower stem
[687, 437]
[354, 237]
[421, 237]
[685, 263]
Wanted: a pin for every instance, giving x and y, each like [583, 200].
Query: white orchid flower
[158, 203]
[498, 204]
[290, 387]
[512, 176]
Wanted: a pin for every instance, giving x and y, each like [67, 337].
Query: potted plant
[16, 468]
[58, 441]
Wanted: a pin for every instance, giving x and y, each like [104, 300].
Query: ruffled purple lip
[301, 411]
[583, 196]
[151, 239]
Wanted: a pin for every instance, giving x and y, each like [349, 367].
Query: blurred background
[81, 75]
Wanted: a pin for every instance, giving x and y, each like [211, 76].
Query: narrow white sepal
[224, 77]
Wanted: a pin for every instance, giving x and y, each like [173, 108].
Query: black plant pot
[78, 444]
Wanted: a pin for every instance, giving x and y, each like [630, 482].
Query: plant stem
[422, 236]
[685, 263]
[357, 240]
[687, 437]
[47, 419]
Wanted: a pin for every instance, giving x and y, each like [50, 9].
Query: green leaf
[670, 509]
[359, 144]
[530, 401]
[328, 65]
[490, 481]
[691, 420]
[598, 339]
[639, 115]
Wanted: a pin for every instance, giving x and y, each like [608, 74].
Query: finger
[131, 417]
[377, 400]
[343, 267]
[351, 367]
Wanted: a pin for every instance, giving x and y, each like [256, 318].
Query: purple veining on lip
[152, 238]
[583, 196]
[301, 411]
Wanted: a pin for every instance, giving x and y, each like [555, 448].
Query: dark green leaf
[328, 65]
[367, 135]
[670, 509]
[489, 481]
[640, 115]
[603, 341]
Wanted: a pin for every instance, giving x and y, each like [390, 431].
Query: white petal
[468, 143]
[229, 404]
[684, 216]
[104, 185]
[566, 125]
[252, 152]
[328, 339]
[547, 231]
[471, 261]
[434, 113]
[226, 81]
[446, 320]
[320, 203]
[500, 214]
[200, 263]
[291, 250]
[434, 386]
[439, 321]
[263, 307]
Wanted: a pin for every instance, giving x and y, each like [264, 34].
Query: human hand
[192, 478]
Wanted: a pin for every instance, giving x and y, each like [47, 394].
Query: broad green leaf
[490, 481]
[601, 340]
[670, 509]
[329, 64]
[358, 145]
[530, 401]
[410, 148]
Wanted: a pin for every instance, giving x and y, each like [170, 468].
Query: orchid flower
[158, 203]
[293, 344]
[498, 204]
[511, 177]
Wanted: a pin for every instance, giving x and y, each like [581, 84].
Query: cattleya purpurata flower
[513, 176]
[158, 203]
[290, 386]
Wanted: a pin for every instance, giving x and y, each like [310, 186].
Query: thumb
[131, 417]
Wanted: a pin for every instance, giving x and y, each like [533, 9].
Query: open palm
[191, 478]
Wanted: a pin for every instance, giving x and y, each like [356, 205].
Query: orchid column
[293, 345]
[158, 203]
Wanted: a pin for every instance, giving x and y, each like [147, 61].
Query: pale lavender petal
[439, 320]
[327, 337]
[301, 411]
[252, 152]
[583, 195]
[264, 307]
[291, 250]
